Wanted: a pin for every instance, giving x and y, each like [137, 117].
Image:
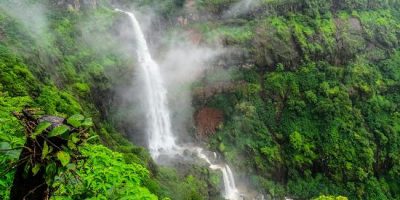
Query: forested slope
[319, 110]
[41, 71]
[308, 101]
[51, 60]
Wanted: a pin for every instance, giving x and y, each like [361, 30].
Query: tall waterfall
[161, 139]
[159, 132]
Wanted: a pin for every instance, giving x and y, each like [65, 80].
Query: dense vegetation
[319, 110]
[60, 72]
[316, 111]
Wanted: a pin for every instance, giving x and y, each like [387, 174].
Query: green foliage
[56, 102]
[64, 158]
[11, 136]
[75, 120]
[40, 128]
[317, 114]
[323, 197]
[59, 130]
[15, 77]
[177, 186]
[16, 83]
[330, 114]
[318, 121]
[26, 80]
[105, 175]
[215, 6]
[231, 34]
[82, 88]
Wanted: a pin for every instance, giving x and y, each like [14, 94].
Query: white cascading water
[231, 192]
[159, 131]
[161, 139]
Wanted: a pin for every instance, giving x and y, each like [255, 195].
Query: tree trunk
[27, 186]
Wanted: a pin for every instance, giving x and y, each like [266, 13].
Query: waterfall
[160, 137]
[230, 190]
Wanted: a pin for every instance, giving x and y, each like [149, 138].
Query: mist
[182, 61]
[241, 7]
[183, 64]
[32, 15]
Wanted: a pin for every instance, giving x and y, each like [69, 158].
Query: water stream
[161, 140]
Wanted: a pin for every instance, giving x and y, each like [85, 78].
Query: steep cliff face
[301, 107]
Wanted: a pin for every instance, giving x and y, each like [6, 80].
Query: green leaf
[71, 166]
[71, 145]
[75, 120]
[45, 150]
[36, 169]
[40, 128]
[74, 138]
[5, 145]
[51, 170]
[93, 137]
[11, 154]
[64, 158]
[27, 168]
[87, 123]
[58, 131]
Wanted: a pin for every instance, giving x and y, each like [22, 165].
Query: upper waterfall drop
[160, 137]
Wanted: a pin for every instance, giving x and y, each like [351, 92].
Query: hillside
[300, 97]
[318, 113]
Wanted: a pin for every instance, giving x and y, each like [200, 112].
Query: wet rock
[55, 121]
